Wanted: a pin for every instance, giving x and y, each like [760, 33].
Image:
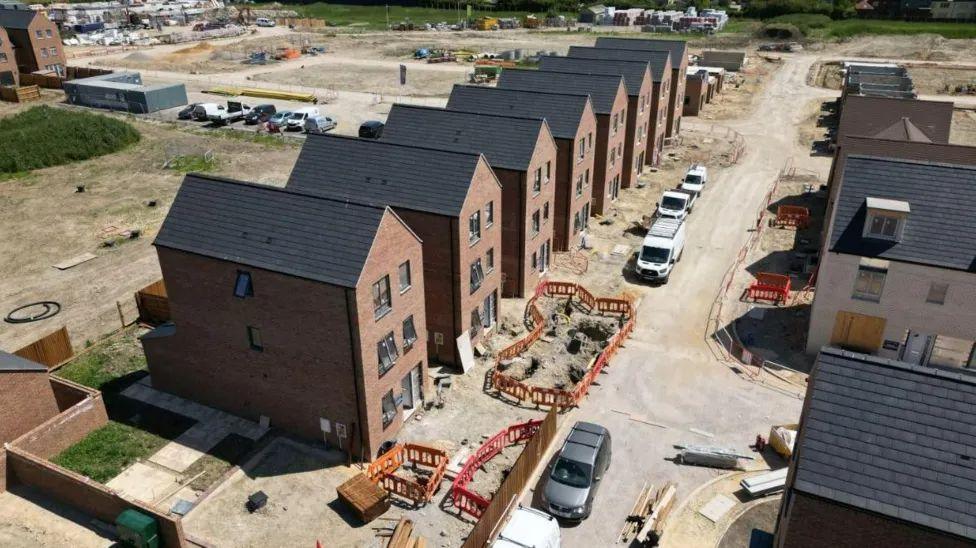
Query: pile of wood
[645, 524]
[401, 536]
[22, 94]
[366, 499]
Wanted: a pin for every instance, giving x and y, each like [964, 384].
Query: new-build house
[292, 308]
[679, 66]
[573, 125]
[696, 91]
[35, 40]
[608, 94]
[26, 398]
[637, 78]
[8, 62]
[522, 153]
[451, 200]
[862, 115]
[656, 109]
[897, 275]
[884, 457]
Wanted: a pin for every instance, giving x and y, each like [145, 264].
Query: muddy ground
[740, 90]
[963, 127]
[929, 78]
[420, 82]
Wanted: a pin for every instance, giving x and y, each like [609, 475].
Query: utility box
[137, 529]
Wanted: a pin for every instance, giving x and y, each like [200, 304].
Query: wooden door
[858, 332]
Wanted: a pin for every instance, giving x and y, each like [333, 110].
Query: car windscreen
[693, 179]
[672, 202]
[654, 254]
[571, 473]
[297, 116]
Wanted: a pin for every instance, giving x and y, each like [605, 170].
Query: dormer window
[885, 218]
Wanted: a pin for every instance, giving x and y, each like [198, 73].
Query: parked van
[529, 527]
[264, 22]
[298, 116]
[319, 124]
[695, 179]
[661, 249]
[204, 111]
[676, 203]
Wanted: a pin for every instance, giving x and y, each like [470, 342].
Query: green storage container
[137, 529]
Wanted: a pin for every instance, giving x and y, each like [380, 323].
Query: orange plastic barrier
[382, 471]
[770, 287]
[794, 216]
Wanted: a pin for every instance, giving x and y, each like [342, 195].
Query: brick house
[883, 457]
[522, 153]
[608, 94]
[679, 66]
[573, 125]
[35, 40]
[292, 307]
[26, 397]
[8, 62]
[657, 115]
[897, 274]
[861, 115]
[696, 91]
[637, 79]
[451, 200]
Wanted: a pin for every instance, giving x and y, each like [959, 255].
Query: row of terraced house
[319, 306]
[29, 42]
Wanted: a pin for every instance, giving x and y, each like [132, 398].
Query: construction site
[699, 377]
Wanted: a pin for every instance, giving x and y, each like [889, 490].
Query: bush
[782, 31]
[45, 136]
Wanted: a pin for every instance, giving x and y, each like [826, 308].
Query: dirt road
[667, 374]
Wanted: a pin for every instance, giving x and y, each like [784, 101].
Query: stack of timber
[366, 499]
[401, 536]
[645, 524]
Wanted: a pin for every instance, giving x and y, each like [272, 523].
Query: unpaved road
[667, 373]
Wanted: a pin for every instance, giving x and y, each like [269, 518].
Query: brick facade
[318, 357]
[606, 175]
[639, 133]
[572, 205]
[696, 92]
[8, 62]
[676, 96]
[26, 400]
[658, 117]
[38, 47]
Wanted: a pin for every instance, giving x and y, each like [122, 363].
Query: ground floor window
[389, 408]
[412, 390]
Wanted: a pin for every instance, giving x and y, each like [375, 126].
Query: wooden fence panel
[518, 477]
[153, 303]
[50, 350]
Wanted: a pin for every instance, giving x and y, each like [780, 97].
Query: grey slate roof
[633, 71]
[656, 60]
[678, 48]
[562, 111]
[602, 88]
[19, 19]
[941, 227]
[381, 173]
[862, 115]
[507, 142]
[13, 362]
[891, 438]
[277, 229]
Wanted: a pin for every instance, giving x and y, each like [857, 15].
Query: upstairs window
[885, 218]
[579, 185]
[404, 274]
[254, 338]
[537, 182]
[409, 333]
[381, 297]
[387, 352]
[545, 212]
[582, 148]
[589, 141]
[49, 33]
[613, 156]
[615, 123]
[474, 227]
[490, 260]
[39, 33]
[535, 222]
[477, 275]
[869, 283]
[883, 226]
[243, 287]
[937, 293]
[548, 171]
[489, 214]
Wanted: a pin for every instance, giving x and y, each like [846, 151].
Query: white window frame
[865, 279]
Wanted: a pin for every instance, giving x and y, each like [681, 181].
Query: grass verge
[106, 452]
[375, 17]
[226, 454]
[110, 360]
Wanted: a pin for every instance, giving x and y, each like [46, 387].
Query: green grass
[106, 452]
[109, 361]
[45, 136]
[858, 27]
[195, 163]
[375, 17]
[227, 453]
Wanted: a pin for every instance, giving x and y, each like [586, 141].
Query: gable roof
[941, 228]
[656, 60]
[602, 88]
[633, 72]
[889, 437]
[381, 173]
[13, 362]
[277, 229]
[904, 130]
[16, 18]
[507, 142]
[562, 111]
[869, 115]
[678, 48]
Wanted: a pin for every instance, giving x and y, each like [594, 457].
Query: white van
[695, 179]
[204, 111]
[298, 116]
[264, 22]
[662, 248]
[676, 204]
[529, 528]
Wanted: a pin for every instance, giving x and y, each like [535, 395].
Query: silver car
[577, 472]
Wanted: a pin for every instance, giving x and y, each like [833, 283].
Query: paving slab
[144, 482]
[717, 507]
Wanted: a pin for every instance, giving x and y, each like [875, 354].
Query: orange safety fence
[794, 216]
[770, 287]
[468, 501]
[383, 471]
[554, 397]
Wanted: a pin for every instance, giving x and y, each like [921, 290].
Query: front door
[916, 348]
[410, 386]
[858, 332]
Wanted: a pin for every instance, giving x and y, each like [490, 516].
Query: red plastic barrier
[770, 287]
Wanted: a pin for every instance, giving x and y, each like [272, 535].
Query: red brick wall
[29, 46]
[658, 117]
[26, 400]
[812, 522]
[695, 91]
[679, 68]
[636, 119]
[10, 64]
[394, 245]
[305, 371]
[567, 202]
[84, 494]
[546, 152]
[603, 172]
[65, 429]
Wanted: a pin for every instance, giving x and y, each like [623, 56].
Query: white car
[297, 118]
[264, 22]
[661, 249]
[528, 527]
[319, 124]
[695, 179]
